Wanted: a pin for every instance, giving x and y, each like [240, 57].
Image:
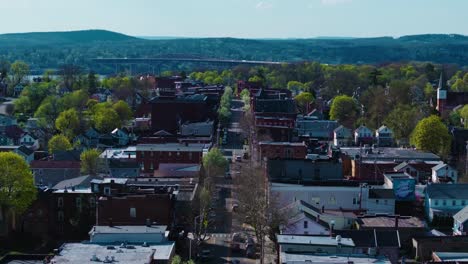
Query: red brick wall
[279, 151]
[157, 157]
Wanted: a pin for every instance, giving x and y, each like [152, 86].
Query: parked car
[238, 159]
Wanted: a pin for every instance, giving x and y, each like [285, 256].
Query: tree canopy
[431, 135]
[68, 123]
[17, 190]
[344, 109]
[90, 162]
[58, 143]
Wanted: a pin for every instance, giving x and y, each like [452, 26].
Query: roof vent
[94, 258]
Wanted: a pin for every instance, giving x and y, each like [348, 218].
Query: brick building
[282, 150]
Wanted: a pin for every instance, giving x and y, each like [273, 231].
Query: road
[226, 222]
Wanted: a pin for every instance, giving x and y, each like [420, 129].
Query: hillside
[52, 49]
[48, 38]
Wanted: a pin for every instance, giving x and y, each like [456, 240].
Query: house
[310, 127]
[303, 170]
[29, 140]
[460, 222]
[123, 168]
[424, 246]
[384, 136]
[89, 139]
[276, 127]
[26, 153]
[121, 137]
[141, 244]
[444, 173]
[282, 150]
[149, 156]
[421, 171]
[6, 120]
[445, 200]
[363, 136]
[381, 201]
[342, 137]
[315, 244]
[168, 112]
[50, 172]
[300, 222]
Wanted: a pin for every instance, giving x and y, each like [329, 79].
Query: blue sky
[239, 18]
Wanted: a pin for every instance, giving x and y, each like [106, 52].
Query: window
[151, 166]
[95, 188]
[142, 154]
[133, 212]
[332, 200]
[306, 224]
[436, 202]
[92, 202]
[463, 202]
[60, 216]
[169, 154]
[78, 203]
[354, 201]
[385, 202]
[454, 202]
[190, 155]
[444, 202]
[107, 190]
[377, 201]
[60, 202]
[178, 153]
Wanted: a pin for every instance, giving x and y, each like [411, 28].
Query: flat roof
[78, 253]
[391, 154]
[77, 190]
[282, 143]
[119, 153]
[154, 229]
[452, 256]
[314, 240]
[447, 191]
[195, 147]
[335, 259]
[389, 221]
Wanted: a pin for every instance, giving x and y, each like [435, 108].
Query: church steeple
[442, 81]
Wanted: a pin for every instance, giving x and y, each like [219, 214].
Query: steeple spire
[442, 81]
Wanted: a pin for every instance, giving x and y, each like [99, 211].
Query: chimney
[397, 218]
[148, 222]
[111, 224]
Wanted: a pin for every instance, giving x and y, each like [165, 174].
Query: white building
[444, 173]
[342, 137]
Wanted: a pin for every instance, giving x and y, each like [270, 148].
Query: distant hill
[46, 38]
[52, 49]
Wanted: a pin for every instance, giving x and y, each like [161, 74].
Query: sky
[239, 18]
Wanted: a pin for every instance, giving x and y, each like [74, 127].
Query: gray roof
[299, 258]
[194, 147]
[447, 191]
[462, 215]
[154, 229]
[398, 154]
[439, 166]
[77, 182]
[78, 253]
[197, 129]
[314, 240]
[400, 166]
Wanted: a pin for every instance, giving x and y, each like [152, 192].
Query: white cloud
[334, 2]
[264, 5]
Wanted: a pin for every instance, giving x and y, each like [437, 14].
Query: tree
[295, 86]
[17, 190]
[18, 70]
[178, 260]
[48, 112]
[431, 135]
[402, 121]
[303, 101]
[214, 163]
[344, 109]
[59, 143]
[90, 162]
[92, 82]
[69, 74]
[106, 120]
[464, 115]
[123, 110]
[68, 123]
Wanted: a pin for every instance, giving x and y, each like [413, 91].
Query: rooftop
[195, 147]
[452, 256]
[376, 221]
[78, 253]
[298, 144]
[119, 153]
[447, 191]
[381, 194]
[54, 164]
[462, 215]
[314, 240]
[332, 259]
[398, 154]
[154, 229]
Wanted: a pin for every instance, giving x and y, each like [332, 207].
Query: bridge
[181, 59]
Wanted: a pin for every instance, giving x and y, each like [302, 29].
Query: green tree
[90, 162]
[48, 112]
[123, 110]
[344, 109]
[93, 82]
[106, 120]
[402, 121]
[68, 123]
[214, 163]
[431, 135]
[17, 190]
[59, 143]
[18, 71]
[295, 86]
[464, 115]
[77, 99]
[303, 100]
